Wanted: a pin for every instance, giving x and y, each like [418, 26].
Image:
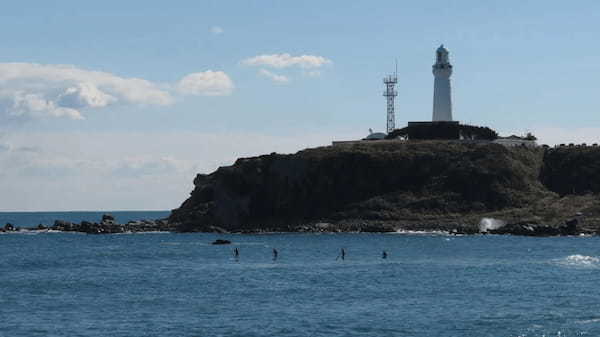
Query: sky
[117, 105]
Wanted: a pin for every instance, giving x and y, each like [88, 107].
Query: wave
[578, 260]
[409, 232]
[487, 224]
[51, 231]
[33, 232]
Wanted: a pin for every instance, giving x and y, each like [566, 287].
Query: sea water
[68, 284]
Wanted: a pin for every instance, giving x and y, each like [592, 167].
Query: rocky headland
[389, 185]
[383, 186]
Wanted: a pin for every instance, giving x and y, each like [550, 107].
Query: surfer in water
[275, 254]
[384, 255]
[236, 253]
[341, 255]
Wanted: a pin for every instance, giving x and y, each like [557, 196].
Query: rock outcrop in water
[390, 185]
[108, 225]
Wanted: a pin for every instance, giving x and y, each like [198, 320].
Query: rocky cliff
[387, 185]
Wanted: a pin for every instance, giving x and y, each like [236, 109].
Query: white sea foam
[409, 232]
[588, 321]
[578, 260]
[487, 224]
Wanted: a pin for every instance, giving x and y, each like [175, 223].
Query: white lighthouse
[442, 98]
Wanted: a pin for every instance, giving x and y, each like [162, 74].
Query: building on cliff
[512, 141]
[442, 126]
[434, 130]
[442, 98]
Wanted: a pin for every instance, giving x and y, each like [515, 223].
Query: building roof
[512, 137]
[376, 136]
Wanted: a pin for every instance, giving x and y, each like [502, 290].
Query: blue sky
[212, 84]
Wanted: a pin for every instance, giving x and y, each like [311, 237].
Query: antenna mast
[390, 93]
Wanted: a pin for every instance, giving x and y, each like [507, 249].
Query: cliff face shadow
[391, 183]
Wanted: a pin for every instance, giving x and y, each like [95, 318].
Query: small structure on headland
[512, 141]
[375, 135]
[442, 97]
[390, 94]
[442, 125]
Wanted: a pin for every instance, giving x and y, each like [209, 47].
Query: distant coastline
[31, 219]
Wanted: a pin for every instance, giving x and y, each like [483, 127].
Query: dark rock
[9, 227]
[41, 227]
[529, 229]
[387, 181]
[376, 228]
[570, 227]
[62, 225]
[216, 229]
[572, 170]
[221, 242]
[109, 226]
[86, 227]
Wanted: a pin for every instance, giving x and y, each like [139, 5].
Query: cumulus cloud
[208, 83]
[19, 103]
[34, 90]
[274, 77]
[286, 60]
[85, 95]
[216, 30]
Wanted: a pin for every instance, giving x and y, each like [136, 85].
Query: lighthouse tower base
[433, 130]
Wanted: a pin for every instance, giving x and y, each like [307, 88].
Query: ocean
[165, 284]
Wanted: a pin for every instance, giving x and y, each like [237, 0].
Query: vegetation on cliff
[390, 184]
[572, 170]
[472, 132]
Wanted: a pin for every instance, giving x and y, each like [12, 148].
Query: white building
[442, 98]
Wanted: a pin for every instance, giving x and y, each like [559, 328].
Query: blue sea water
[67, 284]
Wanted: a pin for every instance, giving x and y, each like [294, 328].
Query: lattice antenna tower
[390, 93]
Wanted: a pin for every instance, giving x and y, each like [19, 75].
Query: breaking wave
[411, 232]
[487, 224]
[578, 260]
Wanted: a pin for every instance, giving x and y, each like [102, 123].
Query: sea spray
[578, 260]
[487, 224]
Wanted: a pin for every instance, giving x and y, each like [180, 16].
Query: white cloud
[29, 90]
[85, 95]
[122, 170]
[216, 30]
[20, 103]
[286, 60]
[208, 83]
[274, 77]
